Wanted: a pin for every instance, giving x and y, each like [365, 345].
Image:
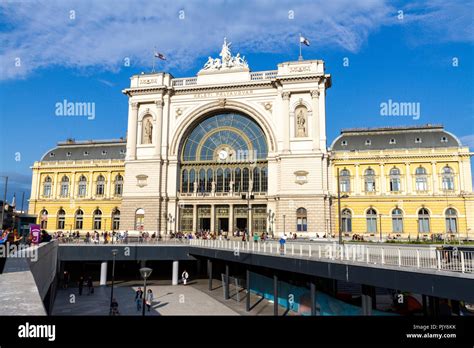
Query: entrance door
[205, 224]
[241, 223]
[223, 225]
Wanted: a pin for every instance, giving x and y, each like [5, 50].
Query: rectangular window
[78, 224]
[397, 225]
[302, 225]
[395, 185]
[64, 190]
[451, 225]
[421, 184]
[423, 225]
[371, 224]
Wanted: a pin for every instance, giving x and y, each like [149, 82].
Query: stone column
[382, 179]
[108, 186]
[434, 175]
[213, 217]
[90, 188]
[158, 128]
[174, 280]
[55, 188]
[316, 122]
[132, 132]
[322, 119]
[103, 273]
[286, 121]
[194, 218]
[72, 185]
[231, 219]
[460, 187]
[250, 215]
[409, 183]
[357, 180]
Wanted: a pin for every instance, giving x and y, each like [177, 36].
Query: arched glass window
[423, 221]
[61, 219]
[209, 179]
[397, 220]
[47, 187]
[245, 180]
[82, 187]
[139, 219]
[184, 181]
[97, 219]
[264, 179]
[256, 179]
[227, 180]
[116, 219]
[451, 221]
[202, 181]
[369, 180]
[421, 180]
[346, 217]
[192, 179]
[345, 180]
[448, 179]
[237, 180]
[301, 220]
[100, 186]
[219, 180]
[78, 219]
[64, 190]
[118, 187]
[371, 217]
[395, 185]
[44, 219]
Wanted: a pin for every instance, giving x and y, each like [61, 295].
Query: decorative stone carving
[142, 180]
[285, 95]
[301, 122]
[147, 130]
[179, 112]
[315, 94]
[227, 61]
[222, 102]
[134, 106]
[268, 106]
[301, 177]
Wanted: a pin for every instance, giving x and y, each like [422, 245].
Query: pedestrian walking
[81, 284]
[282, 244]
[149, 299]
[114, 307]
[185, 277]
[139, 298]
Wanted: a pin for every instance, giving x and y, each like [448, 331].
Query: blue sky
[75, 50]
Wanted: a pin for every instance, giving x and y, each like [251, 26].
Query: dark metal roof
[71, 150]
[409, 137]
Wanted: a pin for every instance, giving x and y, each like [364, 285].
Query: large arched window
[100, 186]
[227, 180]
[421, 180]
[397, 220]
[97, 219]
[451, 220]
[82, 186]
[447, 178]
[301, 220]
[118, 185]
[345, 180]
[369, 180]
[139, 219]
[209, 180]
[395, 185]
[256, 179]
[245, 180]
[219, 180]
[192, 179]
[237, 180]
[61, 220]
[423, 221]
[44, 219]
[78, 219]
[47, 184]
[116, 219]
[184, 181]
[346, 217]
[264, 178]
[371, 217]
[64, 189]
[202, 181]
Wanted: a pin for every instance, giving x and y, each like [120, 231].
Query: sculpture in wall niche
[301, 122]
[147, 137]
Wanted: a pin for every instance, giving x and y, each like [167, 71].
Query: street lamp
[284, 224]
[145, 273]
[114, 253]
[380, 223]
[4, 199]
[271, 220]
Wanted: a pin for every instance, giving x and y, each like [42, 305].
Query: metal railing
[403, 257]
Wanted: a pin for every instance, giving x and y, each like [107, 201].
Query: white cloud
[468, 140]
[104, 33]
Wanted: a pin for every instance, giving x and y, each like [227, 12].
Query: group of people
[85, 283]
[139, 299]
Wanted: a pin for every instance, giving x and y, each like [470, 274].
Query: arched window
[227, 180]
[451, 221]
[64, 190]
[371, 217]
[395, 180]
[100, 185]
[44, 219]
[369, 180]
[82, 187]
[78, 219]
[397, 220]
[237, 180]
[118, 185]
[345, 180]
[301, 220]
[256, 179]
[184, 181]
[139, 219]
[116, 219]
[448, 179]
[346, 217]
[47, 187]
[61, 220]
[202, 181]
[421, 180]
[192, 179]
[147, 130]
[423, 221]
[245, 180]
[264, 174]
[97, 219]
[209, 179]
[219, 180]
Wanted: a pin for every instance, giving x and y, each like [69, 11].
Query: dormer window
[392, 141]
[368, 142]
[104, 152]
[68, 154]
[418, 141]
[344, 143]
[444, 139]
[86, 153]
[122, 152]
[52, 154]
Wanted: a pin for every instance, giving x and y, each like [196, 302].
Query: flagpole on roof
[154, 57]
[300, 56]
